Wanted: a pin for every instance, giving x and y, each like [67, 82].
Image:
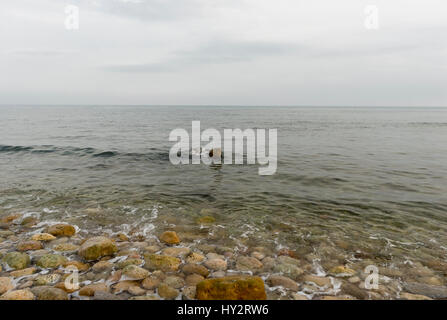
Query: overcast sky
[224, 52]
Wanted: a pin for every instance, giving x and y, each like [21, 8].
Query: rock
[152, 249]
[434, 292]
[26, 284]
[134, 272]
[23, 272]
[193, 279]
[47, 279]
[216, 264]
[285, 282]
[174, 282]
[150, 283]
[124, 286]
[43, 237]
[195, 258]
[151, 297]
[170, 237]
[409, 296]
[161, 262]
[319, 281]
[72, 288]
[6, 284]
[61, 230]
[354, 279]
[49, 293]
[17, 260]
[288, 260]
[206, 220]
[6, 233]
[342, 271]
[51, 261]
[77, 264]
[231, 288]
[244, 263]
[136, 291]
[217, 274]
[25, 294]
[66, 247]
[343, 297]
[122, 237]
[191, 268]
[431, 280]
[258, 255]
[176, 252]
[102, 295]
[102, 266]
[29, 245]
[167, 292]
[189, 293]
[10, 218]
[97, 247]
[288, 269]
[129, 262]
[355, 291]
[29, 221]
[91, 289]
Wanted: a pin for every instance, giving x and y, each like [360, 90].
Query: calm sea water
[351, 182]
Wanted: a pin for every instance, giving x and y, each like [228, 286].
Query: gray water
[371, 179]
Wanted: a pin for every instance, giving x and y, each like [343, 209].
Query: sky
[225, 52]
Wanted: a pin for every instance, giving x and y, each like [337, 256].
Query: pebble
[216, 264]
[151, 283]
[282, 281]
[6, 284]
[191, 268]
[167, 292]
[244, 263]
[134, 272]
[24, 294]
[43, 237]
[170, 237]
[91, 289]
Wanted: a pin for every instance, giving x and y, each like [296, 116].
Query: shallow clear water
[352, 183]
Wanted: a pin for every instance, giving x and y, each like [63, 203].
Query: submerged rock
[167, 292]
[91, 289]
[51, 261]
[231, 288]
[23, 272]
[61, 230]
[24, 294]
[435, 292]
[43, 237]
[216, 264]
[97, 247]
[342, 271]
[191, 268]
[29, 245]
[161, 262]
[49, 293]
[244, 263]
[6, 284]
[170, 237]
[285, 282]
[135, 272]
[17, 260]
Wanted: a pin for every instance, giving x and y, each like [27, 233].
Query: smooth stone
[434, 292]
[150, 283]
[195, 258]
[167, 292]
[91, 289]
[66, 247]
[191, 268]
[51, 261]
[29, 245]
[49, 293]
[244, 263]
[136, 291]
[124, 286]
[169, 237]
[6, 284]
[76, 264]
[134, 272]
[17, 260]
[43, 237]
[216, 264]
[23, 272]
[161, 262]
[47, 279]
[258, 255]
[102, 266]
[319, 281]
[231, 288]
[152, 249]
[176, 252]
[193, 279]
[24, 294]
[61, 229]
[97, 247]
[342, 271]
[355, 291]
[189, 293]
[410, 296]
[282, 281]
[129, 262]
[288, 269]
[297, 296]
[102, 295]
[174, 282]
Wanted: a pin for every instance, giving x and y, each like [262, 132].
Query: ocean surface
[351, 183]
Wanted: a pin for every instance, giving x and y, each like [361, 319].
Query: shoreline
[36, 261]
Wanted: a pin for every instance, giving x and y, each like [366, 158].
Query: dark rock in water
[59, 230]
[435, 292]
[101, 295]
[355, 291]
